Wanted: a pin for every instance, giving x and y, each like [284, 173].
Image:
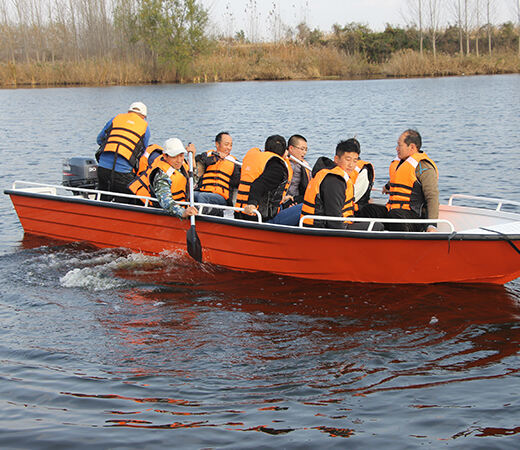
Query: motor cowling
[80, 172]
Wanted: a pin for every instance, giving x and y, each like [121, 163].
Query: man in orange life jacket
[331, 191]
[413, 187]
[162, 179]
[122, 141]
[218, 173]
[263, 180]
[148, 157]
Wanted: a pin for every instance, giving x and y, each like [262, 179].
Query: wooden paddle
[192, 239]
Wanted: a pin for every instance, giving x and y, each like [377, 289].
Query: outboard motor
[80, 173]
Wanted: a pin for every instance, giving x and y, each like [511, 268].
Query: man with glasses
[301, 176]
[299, 179]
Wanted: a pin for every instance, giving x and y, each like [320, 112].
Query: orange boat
[473, 245]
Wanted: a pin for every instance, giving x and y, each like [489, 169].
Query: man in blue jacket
[121, 143]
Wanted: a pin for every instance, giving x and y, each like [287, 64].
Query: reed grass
[408, 63]
[265, 61]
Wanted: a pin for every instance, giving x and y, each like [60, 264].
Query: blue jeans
[212, 199]
[289, 216]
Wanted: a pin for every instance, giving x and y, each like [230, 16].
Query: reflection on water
[180, 346]
[107, 349]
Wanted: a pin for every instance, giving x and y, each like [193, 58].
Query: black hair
[413, 137]
[276, 144]
[294, 138]
[349, 146]
[218, 137]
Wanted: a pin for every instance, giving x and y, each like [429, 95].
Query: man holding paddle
[168, 179]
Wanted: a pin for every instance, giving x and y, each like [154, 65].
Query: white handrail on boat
[217, 206]
[484, 199]
[373, 220]
[94, 192]
[97, 196]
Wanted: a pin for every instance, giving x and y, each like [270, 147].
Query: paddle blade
[193, 244]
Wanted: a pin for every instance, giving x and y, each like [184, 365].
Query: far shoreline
[261, 62]
[156, 83]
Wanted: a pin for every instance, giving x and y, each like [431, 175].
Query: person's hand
[189, 211]
[288, 198]
[431, 229]
[249, 210]
[191, 149]
[386, 189]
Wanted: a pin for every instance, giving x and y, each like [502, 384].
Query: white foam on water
[99, 274]
[94, 279]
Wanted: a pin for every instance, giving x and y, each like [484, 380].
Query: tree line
[166, 36]
[155, 33]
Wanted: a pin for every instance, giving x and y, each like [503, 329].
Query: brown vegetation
[237, 62]
[408, 63]
[120, 42]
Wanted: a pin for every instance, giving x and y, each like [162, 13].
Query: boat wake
[81, 266]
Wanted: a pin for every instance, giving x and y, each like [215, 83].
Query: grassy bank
[239, 62]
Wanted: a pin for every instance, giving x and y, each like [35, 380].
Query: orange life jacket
[143, 160]
[142, 183]
[126, 137]
[253, 166]
[360, 165]
[405, 190]
[312, 202]
[217, 177]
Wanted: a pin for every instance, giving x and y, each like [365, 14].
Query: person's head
[174, 152]
[297, 146]
[223, 143]
[347, 154]
[276, 144]
[409, 143]
[139, 108]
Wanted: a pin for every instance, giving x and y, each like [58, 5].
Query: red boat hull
[325, 255]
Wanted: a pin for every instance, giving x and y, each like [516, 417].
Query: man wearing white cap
[121, 142]
[167, 179]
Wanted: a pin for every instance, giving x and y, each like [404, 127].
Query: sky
[229, 16]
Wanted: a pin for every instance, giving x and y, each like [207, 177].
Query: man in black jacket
[263, 180]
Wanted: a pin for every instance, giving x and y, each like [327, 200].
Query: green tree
[173, 32]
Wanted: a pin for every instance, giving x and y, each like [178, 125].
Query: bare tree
[434, 10]
[456, 9]
[518, 23]
[415, 8]
[278, 29]
[466, 25]
[477, 26]
[253, 17]
[490, 16]
[7, 32]
[21, 8]
[229, 20]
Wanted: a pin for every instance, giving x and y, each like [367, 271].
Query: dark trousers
[113, 181]
[379, 211]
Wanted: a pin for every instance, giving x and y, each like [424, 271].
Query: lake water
[107, 349]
